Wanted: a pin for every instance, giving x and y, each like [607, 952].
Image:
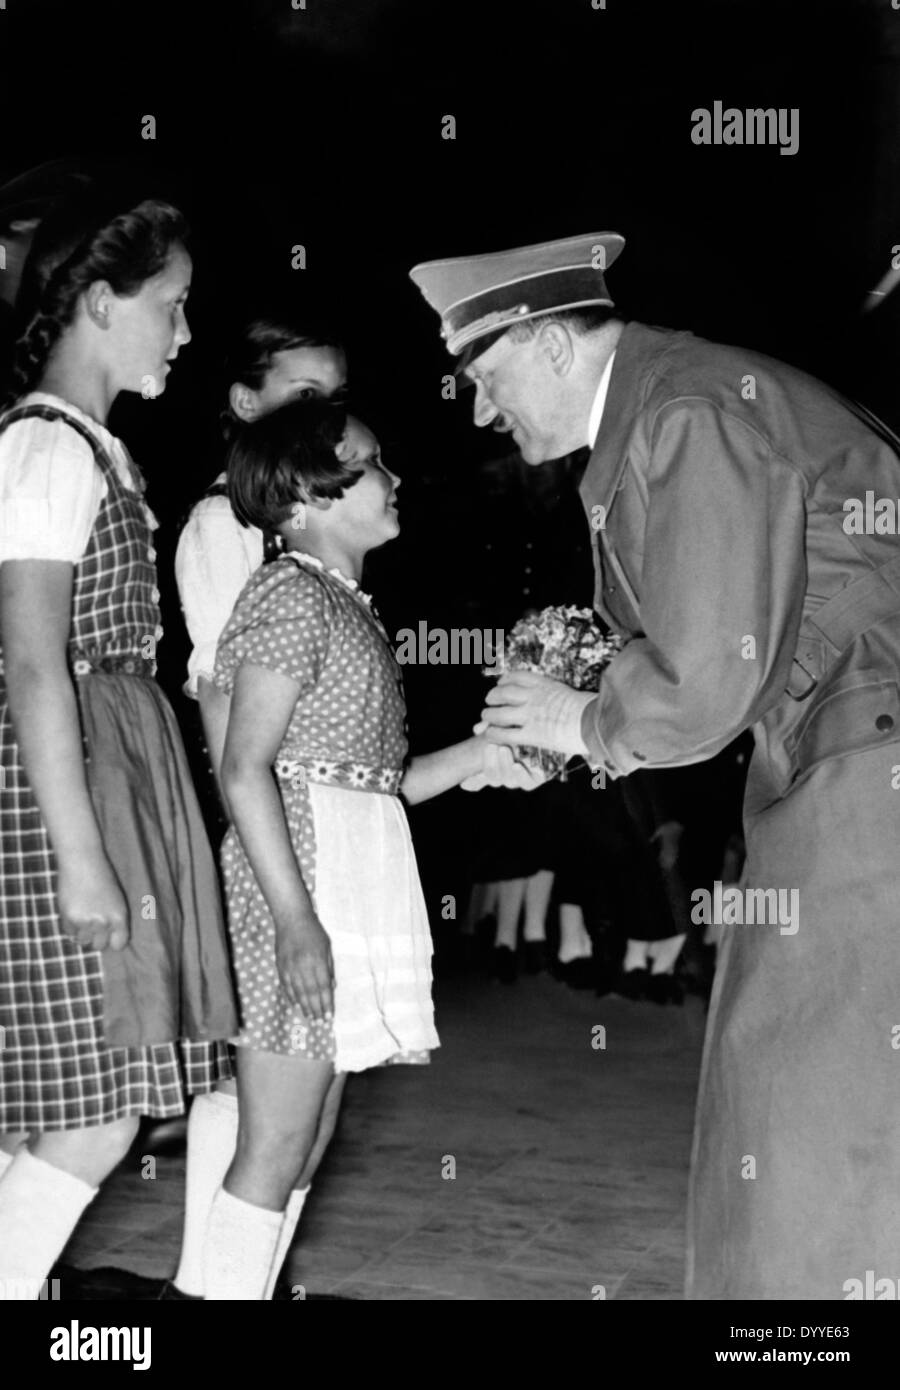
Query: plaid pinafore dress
[89, 1037]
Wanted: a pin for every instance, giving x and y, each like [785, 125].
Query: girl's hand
[305, 968]
[500, 769]
[93, 909]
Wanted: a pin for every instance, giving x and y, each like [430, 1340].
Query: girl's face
[366, 515]
[300, 373]
[147, 329]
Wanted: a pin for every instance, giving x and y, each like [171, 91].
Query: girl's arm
[35, 608]
[214, 705]
[262, 703]
[475, 761]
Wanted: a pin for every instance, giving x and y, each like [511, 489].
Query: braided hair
[87, 239]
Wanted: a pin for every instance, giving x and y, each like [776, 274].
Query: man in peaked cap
[723, 493]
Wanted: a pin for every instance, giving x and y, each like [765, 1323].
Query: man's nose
[183, 333]
[483, 410]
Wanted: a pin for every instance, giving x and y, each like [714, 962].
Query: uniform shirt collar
[596, 416]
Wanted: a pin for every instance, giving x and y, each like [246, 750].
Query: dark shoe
[664, 989]
[535, 957]
[170, 1292]
[503, 965]
[577, 974]
[606, 979]
[632, 984]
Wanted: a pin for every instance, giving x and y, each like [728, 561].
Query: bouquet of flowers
[565, 644]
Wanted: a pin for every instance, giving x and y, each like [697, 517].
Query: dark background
[322, 127]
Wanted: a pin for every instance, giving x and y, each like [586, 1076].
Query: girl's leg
[281, 1100]
[43, 1194]
[574, 941]
[9, 1147]
[511, 895]
[327, 1123]
[211, 1139]
[537, 899]
[297, 1200]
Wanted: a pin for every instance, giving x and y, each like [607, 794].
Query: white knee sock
[285, 1236]
[239, 1250]
[664, 954]
[212, 1136]
[40, 1206]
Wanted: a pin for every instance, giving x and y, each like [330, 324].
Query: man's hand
[532, 710]
[500, 769]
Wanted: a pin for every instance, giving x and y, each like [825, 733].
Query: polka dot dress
[352, 845]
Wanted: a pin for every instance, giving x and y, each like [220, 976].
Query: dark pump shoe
[577, 974]
[664, 989]
[503, 965]
[535, 957]
[632, 984]
[170, 1293]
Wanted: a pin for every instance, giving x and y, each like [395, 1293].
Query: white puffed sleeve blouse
[50, 485]
[216, 556]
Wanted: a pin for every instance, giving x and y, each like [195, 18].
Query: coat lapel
[605, 477]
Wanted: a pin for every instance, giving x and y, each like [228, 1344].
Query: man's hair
[589, 319]
[276, 459]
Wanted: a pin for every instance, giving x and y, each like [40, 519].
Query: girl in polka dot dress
[329, 930]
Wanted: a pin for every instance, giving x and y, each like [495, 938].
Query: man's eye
[307, 393]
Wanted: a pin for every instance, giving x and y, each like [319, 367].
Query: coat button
[884, 723]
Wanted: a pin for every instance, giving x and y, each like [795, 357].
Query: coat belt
[870, 599]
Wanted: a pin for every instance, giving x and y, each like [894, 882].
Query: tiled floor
[525, 1163]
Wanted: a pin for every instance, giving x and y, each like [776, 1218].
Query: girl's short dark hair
[288, 453]
[90, 236]
[253, 346]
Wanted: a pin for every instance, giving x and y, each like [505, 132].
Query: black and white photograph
[450, 664]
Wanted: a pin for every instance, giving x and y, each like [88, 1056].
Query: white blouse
[51, 486]
[216, 556]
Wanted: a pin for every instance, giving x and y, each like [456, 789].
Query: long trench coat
[716, 491]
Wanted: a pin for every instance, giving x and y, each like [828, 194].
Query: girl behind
[273, 357]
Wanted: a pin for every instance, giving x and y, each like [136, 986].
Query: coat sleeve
[721, 595]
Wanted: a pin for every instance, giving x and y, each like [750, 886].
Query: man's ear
[558, 348]
[98, 302]
[243, 401]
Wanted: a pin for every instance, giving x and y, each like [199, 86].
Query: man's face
[518, 392]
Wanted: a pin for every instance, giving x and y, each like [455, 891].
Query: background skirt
[369, 900]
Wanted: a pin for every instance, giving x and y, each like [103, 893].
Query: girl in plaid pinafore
[114, 978]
